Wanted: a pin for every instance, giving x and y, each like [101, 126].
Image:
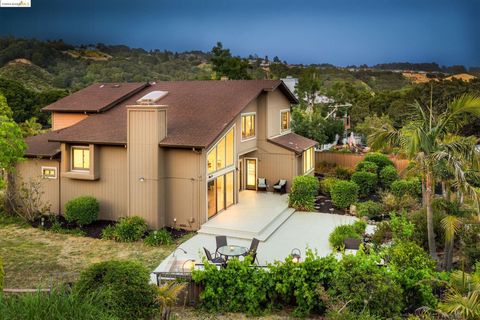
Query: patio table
[232, 251]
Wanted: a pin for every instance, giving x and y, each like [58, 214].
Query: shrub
[108, 232]
[130, 296]
[344, 193]
[366, 181]
[379, 159]
[158, 237]
[382, 234]
[82, 210]
[412, 187]
[369, 209]
[342, 232]
[343, 173]
[392, 203]
[469, 236]
[366, 166]
[419, 220]
[325, 167]
[129, 229]
[303, 192]
[326, 184]
[388, 175]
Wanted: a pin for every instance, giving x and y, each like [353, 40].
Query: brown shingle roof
[39, 146]
[294, 142]
[197, 112]
[95, 98]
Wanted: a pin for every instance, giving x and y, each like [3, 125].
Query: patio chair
[253, 249]
[280, 186]
[262, 184]
[221, 242]
[217, 260]
[352, 243]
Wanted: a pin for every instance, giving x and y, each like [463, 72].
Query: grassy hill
[31, 76]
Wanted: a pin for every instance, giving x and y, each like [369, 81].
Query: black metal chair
[280, 186]
[253, 250]
[221, 242]
[218, 260]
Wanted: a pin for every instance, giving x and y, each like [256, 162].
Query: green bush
[326, 184]
[359, 280]
[130, 229]
[344, 193]
[366, 166]
[303, 192]
[419, 220]
[382, 234]
[108, 232]
[130, 295]
[379, 159]
[343, 173]
[342, 232]
[412, 187]
[469, 236]
[158, 237]
[369, 209]
[366, 181]
[82, 210]
[388, 175]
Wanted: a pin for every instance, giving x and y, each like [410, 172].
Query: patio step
[261, 235]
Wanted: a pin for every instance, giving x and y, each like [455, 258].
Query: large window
[308, 160]
[285, 120]
[80, 158]
[222, 154]
[248, 126]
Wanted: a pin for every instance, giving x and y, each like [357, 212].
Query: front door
[251, 172]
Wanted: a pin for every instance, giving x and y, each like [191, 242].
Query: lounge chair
[280, 186]
[262, 184]
[216, 260]
[221, 242]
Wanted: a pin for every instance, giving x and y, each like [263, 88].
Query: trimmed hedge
[326, 184]
[379, 159]
[411, 187]
[303, 192]
[366, 181]
[369, 208]
[366, 166]
[387, 176]
[344, 193]
[82, 210]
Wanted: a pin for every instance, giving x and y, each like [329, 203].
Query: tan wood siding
[276, 102]
[62, 120]
[350, 160]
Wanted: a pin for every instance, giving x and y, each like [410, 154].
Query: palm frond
[451, 224]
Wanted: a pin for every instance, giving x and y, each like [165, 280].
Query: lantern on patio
[188, 265]
[296, 255]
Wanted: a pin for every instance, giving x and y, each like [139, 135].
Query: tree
[224, 64]
[12, 144]
[429, 139]
[308, 86]
[313, 125]
[372, 123]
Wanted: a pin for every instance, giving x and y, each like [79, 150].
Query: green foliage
[2, 274]
[412, 187]
[342, 232]
[326, 184]
[469, 236]
[343, 173]
[344, 193]
[382, 234]
[108, 232]
[387, 176]
[303, 192]
[130, 296]
[370, 123]
[379, 159]
[419, 220]
[366, 166]
[361, 281]
[60, 304]
[402, 228]
[224, 64]
[158, 237]
[82, 210]
[12, 145]
[314, 126]
[366, 181]
[369, 209]
[128, 229]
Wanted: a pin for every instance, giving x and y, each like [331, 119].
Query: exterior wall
[62, 120]
[251, 144]
[32, 169]
[111, 187]
[276, 101]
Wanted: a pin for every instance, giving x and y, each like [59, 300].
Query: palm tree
[167, 296]
[430, 139]
[462, 298]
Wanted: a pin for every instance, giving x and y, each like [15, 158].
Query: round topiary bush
[82, 210]
[125, 286]
[369, 209]
[344, 193]
[366, 181]
[303, 192]
[366, 166]
[388, 175]
[326, 184]
[412, 187]
[130, 229]
[379, 159]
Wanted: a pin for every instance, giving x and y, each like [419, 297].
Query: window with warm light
[285, 120]
[248, 126]
[308, 160]
[49, 172]
[81, 158]
[222, 154]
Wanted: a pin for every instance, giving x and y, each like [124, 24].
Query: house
[175, 153]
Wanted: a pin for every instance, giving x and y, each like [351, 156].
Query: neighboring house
[175, 153]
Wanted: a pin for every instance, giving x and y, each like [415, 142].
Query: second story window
[248, 126]
[80, 158]
[285, 120]
[222, 154]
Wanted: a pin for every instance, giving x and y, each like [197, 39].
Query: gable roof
[197, 112]
[39, 145]
[293, 142]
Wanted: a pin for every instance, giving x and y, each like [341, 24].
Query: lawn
[36, 258]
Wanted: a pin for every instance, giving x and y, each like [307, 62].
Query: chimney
[146, 127]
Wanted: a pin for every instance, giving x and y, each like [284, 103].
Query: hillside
[31, 76]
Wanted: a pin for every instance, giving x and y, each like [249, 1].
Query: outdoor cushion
[262, 182]
[282, 182]
[277, 186]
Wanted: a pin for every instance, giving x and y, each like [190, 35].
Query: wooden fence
[350, 160]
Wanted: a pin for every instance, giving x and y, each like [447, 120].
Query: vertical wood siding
[350, 160]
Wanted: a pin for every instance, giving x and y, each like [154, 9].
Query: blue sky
[341, 32]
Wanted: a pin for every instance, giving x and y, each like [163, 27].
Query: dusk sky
[340, 32]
